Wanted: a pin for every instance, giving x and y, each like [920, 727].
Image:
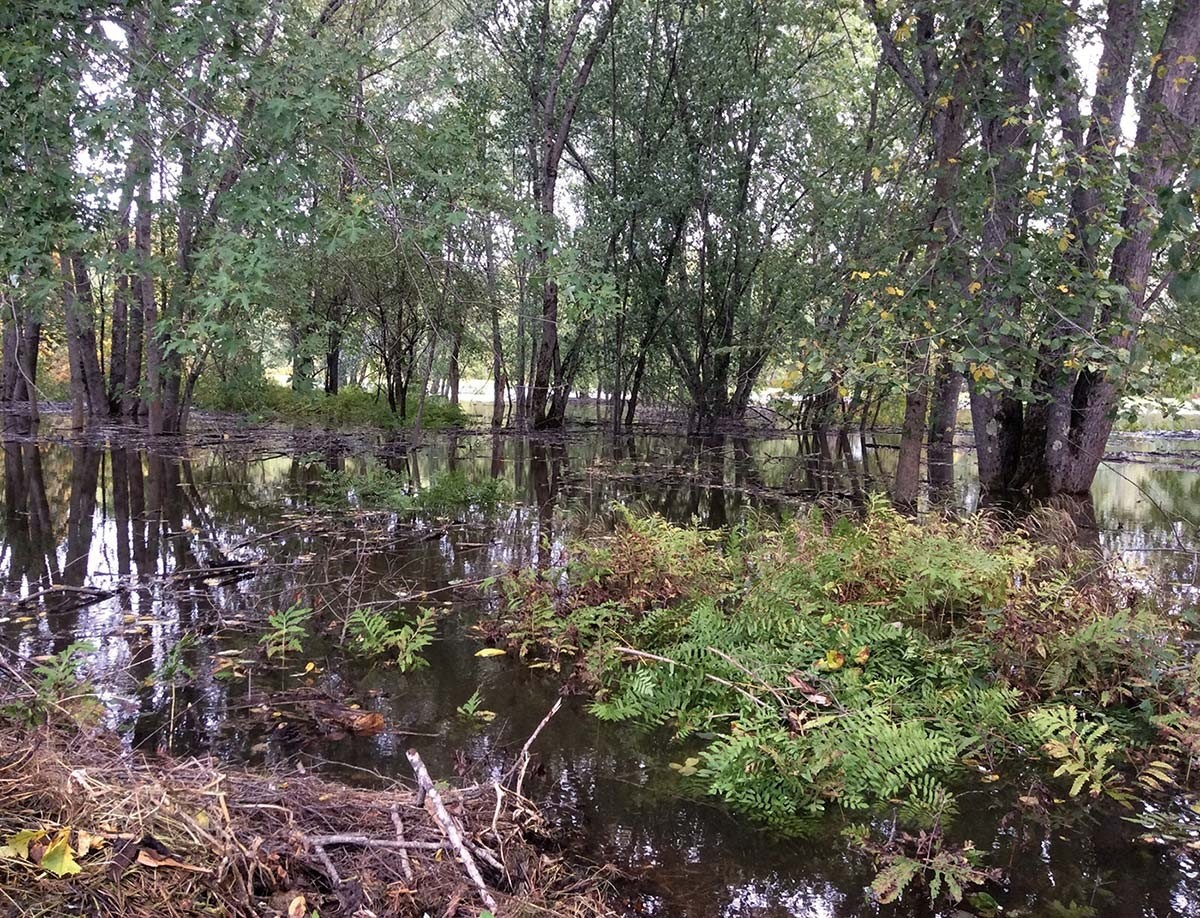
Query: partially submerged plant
[287, 631]
[863, 664]
[54, 688]
[925, 864]
[472, 709]
[374, 634]
[377, 487]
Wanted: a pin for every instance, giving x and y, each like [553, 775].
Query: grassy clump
[379, 488]
[866, 664]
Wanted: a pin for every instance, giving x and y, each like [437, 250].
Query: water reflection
[132, 550]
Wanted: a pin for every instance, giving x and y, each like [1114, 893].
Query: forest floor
[90, 829]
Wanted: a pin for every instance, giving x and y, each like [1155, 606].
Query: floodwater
[133, 547]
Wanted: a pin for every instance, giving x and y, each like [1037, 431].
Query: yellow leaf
[58, 858]
[943, 101]
[974, 287]
[309, 666]
[1036, 196]
[894, 291]
[884, 314]
[990, 778]
[876, 174]
[491, 652]
[18, 845]
[297, 907]
[864, 654]
[1063, 288]
[86, 841]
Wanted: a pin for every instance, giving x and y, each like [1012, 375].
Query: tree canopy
[690, 205]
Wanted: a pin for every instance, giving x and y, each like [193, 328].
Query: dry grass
[234, 842]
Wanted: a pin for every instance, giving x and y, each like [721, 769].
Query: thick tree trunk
[333, 356]
[996, 415]
[912, 432]
[1048, 417]
[1170, 117]
[76, 386]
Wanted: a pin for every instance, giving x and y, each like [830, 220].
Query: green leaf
[58, 858]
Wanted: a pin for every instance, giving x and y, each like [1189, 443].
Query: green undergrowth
[262, 399]
[871, 665]
[379, 488]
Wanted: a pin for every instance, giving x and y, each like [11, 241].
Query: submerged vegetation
[377, 487]
[869, 666]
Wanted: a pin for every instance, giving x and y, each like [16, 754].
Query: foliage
[60, 688]
[925, 861]
[377, 487]
[472, 709]
[375, 634]
[287, 631]
[859, 665]
[247, 391]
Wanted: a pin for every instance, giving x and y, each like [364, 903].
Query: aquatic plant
[859, 664]
[287, 630]
[379, 488]
[375, 634]
[925, 861]
[59, 686]
[472, 709]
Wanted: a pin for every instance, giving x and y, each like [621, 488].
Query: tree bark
[1170, 115]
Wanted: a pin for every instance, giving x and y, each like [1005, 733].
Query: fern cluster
[853, 664]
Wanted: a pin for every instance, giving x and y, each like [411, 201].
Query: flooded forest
[599, 458]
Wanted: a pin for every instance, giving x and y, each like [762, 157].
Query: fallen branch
[523, 759]
[405, 863]
[433, 802]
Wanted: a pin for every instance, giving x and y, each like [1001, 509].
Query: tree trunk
[118, 351]
[1170, 115]
[493, 288]
[943, 418]
[85, 330]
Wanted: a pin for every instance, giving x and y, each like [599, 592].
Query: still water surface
[132, 548]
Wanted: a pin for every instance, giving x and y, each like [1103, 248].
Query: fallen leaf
[148, 858]
[491, 652]
[18, 845]
[58, 858]
[85, 841]
[297, 907]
